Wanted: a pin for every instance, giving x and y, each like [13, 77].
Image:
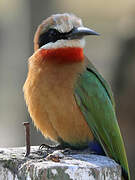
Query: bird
[68, 99]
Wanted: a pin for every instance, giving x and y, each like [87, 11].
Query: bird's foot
[54, 153]
[48, 151]
[46, 146]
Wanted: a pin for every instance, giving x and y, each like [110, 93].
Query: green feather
[95, 99]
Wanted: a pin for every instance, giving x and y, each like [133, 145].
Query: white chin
[65, 43]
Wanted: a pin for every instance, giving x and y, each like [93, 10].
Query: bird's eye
[52, 32]
[52, 35]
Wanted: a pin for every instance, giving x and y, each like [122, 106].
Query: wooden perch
[15, 166]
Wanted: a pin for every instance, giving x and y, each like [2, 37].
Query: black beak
[79, 32]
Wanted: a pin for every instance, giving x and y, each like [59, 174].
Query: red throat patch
[62, 55]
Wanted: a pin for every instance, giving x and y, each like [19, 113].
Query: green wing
[94, 97]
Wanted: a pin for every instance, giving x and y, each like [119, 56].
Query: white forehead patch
[65, 43]
[66, 22]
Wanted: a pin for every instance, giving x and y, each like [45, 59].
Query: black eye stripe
[52, 35]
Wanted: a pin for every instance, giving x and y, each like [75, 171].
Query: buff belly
[53, 108]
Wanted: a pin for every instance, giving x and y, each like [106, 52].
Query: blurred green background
[113, 53]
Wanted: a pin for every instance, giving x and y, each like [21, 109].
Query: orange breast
[49, 95]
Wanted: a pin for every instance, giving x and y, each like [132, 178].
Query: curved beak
[79, 32]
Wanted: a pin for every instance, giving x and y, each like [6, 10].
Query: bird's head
[62, 36]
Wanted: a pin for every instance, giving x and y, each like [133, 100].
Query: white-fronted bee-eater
[67, 98]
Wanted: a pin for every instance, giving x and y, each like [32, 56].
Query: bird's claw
[44, 146]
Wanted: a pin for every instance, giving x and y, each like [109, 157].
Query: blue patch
[96, 148]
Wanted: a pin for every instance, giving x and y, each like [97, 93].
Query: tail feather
[125, 175]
